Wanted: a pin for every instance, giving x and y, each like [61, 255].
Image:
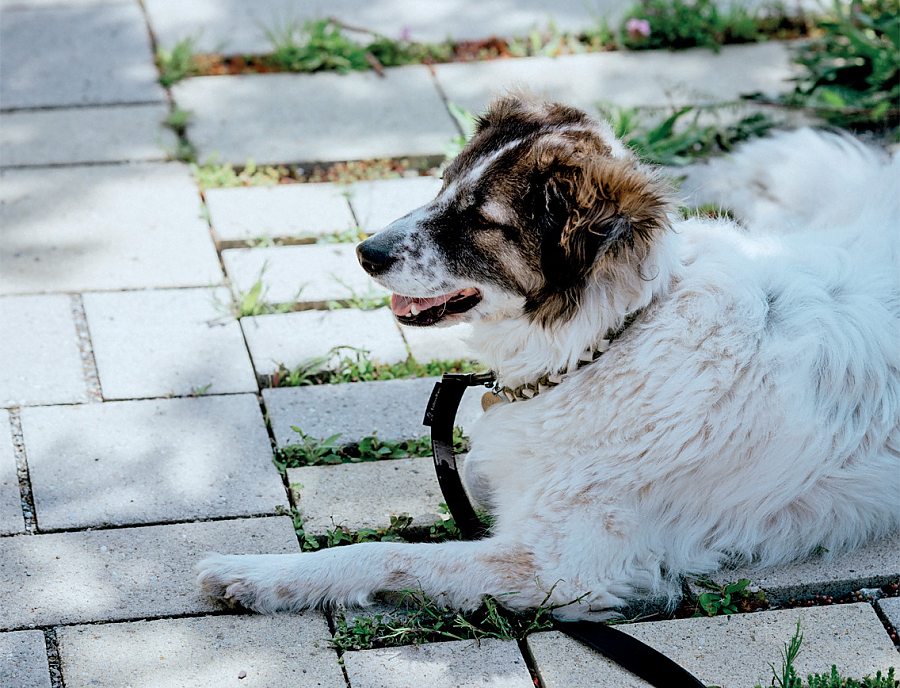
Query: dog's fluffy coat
[750, 413]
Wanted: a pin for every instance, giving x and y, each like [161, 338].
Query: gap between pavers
[487, 663]
[379, 202]
[126, 573]
[273, 651]
[11, 518]
[23, 660]
[890, 609]
[729, 651]
[39, 350]
[156, 343]
[157, 460]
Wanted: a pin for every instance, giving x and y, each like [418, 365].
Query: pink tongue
[401, 305]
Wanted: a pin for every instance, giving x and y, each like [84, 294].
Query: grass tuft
[176, 64]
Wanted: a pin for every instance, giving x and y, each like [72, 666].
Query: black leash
[630, 653]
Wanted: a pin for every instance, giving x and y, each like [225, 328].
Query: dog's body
[750, 413]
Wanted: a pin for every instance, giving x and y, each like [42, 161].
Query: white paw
[242, 581]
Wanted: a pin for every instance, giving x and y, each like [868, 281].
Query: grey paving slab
[76, 55]
[155, 343]
[149, 461]
[298, 211]
[489, 663]
[85, 228]
[438, 343]
[872, 565]
[313, 273]
[890, 609]
[366, 495]
[378, 203]
[124, 573]
[11, 519]
[627, 79]
[277, 651]
[39, 349]
[285, 118]
[81, 135]
[23, 660]
[294, 338]
[392, 409]
[729, 651]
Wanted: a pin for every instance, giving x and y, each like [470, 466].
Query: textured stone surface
[103, 227]
[61, 56]
[438, 343]
[890, 609]
[297, 211]
[23, 660]
[489, 663]
[149, 461]
[156, 343]
[280, 651]
[294, 338]
[729, 651]
[11, 520]
[307, 274]
[80, 135]
[391, 408]
[39, 352]
[378, 203]
[125, 573]
[284, 118]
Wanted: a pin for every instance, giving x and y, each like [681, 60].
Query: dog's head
[541, 202]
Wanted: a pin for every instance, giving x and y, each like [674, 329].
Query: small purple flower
[637, 28]
[404, 33]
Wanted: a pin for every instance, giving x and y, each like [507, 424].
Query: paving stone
[298, 211]
[286, 118]
[149, 461]
[103, 227]
[489, 662]
[367, 494]
[57, 56]
[872, 565]
[23, 660]
[392, 409]
[438, 343]
[276, 651]
[157, 343]
[39, 349]
[294, 338]
[11, 520]
[729, 651]
[316, 273]
[378, 203]
[890, 609]
[626, 78]
[125, 573]
[81, 135]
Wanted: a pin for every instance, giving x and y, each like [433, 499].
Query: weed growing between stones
[214, 176]
[253, 302]
[178, 121]
[729, 599]
[176, 64]
[370, 300]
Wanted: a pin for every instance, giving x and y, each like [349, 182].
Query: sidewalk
[142, 423]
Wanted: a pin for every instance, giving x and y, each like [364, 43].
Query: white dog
[749, 412]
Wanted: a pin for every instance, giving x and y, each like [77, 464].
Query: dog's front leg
[456, 574]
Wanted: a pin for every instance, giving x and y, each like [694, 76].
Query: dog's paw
[239, 581]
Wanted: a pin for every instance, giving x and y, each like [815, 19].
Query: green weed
[176, 64]
[348, 236]
[680, 24]
[370, 300]
[253, 302]
[212, 175]
[727, 599]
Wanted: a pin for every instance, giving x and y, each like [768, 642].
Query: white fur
[751, 413]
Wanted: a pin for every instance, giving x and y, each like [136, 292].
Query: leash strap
[630, 653]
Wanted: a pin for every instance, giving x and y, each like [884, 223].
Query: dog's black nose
[375, 255]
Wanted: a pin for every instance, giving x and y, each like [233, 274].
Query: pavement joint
[82, 331]
[55, 666]
[28, 512]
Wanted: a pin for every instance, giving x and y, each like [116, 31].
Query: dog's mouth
[422, 312]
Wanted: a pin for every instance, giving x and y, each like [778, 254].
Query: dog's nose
[375, 256]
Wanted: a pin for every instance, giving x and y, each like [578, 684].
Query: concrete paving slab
[76, 55]
[287, 118]
[39, 350]
[872, 565]
[297, 211]
[83, 135]
[23, 660]
[379, 202]
[11, 519]
[367, 494]
[391, 408]
[149, 461]
[316, 273]
[438, 343]
[729, 651]
[103, 227]
[125, 573]
[156, 343]
[294, 338]
[628, 79]
[278, 651]
[890, 609]
[490, 662]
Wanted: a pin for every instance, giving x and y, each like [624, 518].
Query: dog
[747, 405]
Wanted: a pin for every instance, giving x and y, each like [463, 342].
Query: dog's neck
[520, 350]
